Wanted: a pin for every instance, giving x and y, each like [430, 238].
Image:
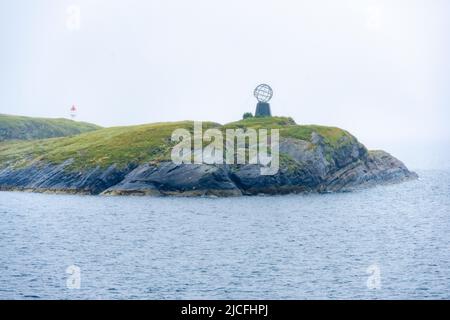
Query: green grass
[117, 145]
[332, 135]
[289, 129]
[27, 128]
[262, 123]
[138, 144]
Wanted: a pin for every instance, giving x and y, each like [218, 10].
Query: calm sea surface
[385, 242]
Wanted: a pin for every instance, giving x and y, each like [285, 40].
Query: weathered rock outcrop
[306, 166]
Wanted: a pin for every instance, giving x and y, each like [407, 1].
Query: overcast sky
[379, 69]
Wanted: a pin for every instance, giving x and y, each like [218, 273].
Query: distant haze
[379, 69]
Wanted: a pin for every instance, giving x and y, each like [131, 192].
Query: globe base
[263, 110]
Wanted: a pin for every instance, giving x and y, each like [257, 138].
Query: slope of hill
[136, 160]
[28, 128]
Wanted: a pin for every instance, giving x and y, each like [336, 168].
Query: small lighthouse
[73, 112]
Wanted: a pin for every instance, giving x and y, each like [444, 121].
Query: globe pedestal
[263, 110]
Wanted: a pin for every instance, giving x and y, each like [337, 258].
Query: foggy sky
[379, 69]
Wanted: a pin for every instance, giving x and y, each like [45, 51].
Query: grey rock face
[170, 179]
[57, 178]
[304, 167]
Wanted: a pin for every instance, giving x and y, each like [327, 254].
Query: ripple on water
[283, 247]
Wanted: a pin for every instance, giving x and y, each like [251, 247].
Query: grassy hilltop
[28, 128]
[140, 144]
[135, 160]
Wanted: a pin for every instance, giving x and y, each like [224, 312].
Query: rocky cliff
[134, 161]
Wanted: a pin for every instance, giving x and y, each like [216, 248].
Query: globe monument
[263, 93]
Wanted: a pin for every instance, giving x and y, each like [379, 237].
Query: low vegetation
[27, 128]
[139, 144]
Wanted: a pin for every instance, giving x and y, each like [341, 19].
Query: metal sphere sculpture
[263, 93]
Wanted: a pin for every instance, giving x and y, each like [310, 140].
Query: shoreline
[201, 193]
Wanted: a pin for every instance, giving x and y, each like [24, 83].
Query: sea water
[388, 242]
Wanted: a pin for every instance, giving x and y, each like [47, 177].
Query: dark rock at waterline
[167, 178]
[56, 178]
[305, 166]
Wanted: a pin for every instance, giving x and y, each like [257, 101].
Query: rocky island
[135, 160]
